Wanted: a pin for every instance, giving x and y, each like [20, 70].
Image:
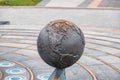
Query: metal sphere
[61, 43]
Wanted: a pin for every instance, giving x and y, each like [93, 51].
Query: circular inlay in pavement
[43, 76]
[6, 64]
[15, 77]
[16, 70]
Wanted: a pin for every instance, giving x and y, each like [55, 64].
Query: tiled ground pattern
[19, 59]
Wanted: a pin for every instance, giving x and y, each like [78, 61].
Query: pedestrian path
[19, 58]
[81, 3]
[64, 3]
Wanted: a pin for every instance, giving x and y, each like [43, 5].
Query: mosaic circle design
[15, 77]
[16, 70]
[6, 64]
[43, 76]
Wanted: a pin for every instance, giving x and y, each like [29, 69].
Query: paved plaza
[20, 27]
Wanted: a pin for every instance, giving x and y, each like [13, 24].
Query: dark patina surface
[61, 43]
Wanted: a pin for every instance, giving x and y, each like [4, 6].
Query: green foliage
[19, 2]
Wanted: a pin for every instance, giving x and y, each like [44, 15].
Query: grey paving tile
[28, 52]
[107, 34]
[104, 49]
[105, 38]
[104, 72]
[94, 52]
[1, 52]
[18, 41]
[7, 49]
[117, 65]
[110, 44]
[17, 45]
[110, 59]
[114, 3]
[20, 37]
[85, 3]
[90, 61]
[32, 47]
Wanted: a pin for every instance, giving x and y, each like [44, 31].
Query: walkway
[81, 3]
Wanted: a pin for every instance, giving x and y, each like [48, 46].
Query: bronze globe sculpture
[60, 44]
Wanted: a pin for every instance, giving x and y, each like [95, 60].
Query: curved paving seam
[24, 35]
[29, 70]
[86, 47]
[108, 64]
[104, 45]
[103, 48]
[18, 29]
[20, 32]
[102, 29]
[19, 48]
[94, 29]
[102, 40]
[35, 43]
[94, 57]
[104, 52]
[23, 43]
[29, 43]
[102, 35]
[82, 65]
[19, 38]
[90, 71]
[36, 34]
[105, 38]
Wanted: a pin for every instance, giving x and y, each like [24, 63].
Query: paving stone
[7, 30]
[105, 38]
[109, 34]
[32, 47]
[94, 52]
[117, 65]
[110, 59]
[103, 43]
[62, 3]
[104, 49]
[106, 31]
[7, 49]
[17, 45]
[19, 37]
[114, 3]
[105, 72]
[1, 52]
[90, 61]
[29, 52]
[85, 3]
[43, 3]
[19, 34]
[18, 41]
